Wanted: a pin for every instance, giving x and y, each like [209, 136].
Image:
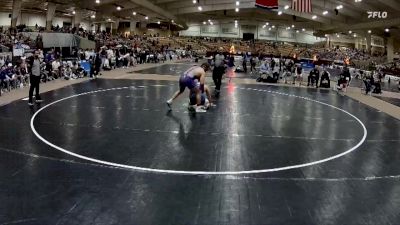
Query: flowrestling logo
[377, 15]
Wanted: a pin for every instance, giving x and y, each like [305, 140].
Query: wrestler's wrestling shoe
[169, 104]
[200, 109]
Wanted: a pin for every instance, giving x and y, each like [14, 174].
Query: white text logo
[379, 15]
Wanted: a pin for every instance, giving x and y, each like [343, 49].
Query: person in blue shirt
[4, 80]
[264, 69]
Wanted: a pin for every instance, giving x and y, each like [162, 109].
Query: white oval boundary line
[144, 169]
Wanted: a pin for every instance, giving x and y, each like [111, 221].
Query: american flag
[302, 6]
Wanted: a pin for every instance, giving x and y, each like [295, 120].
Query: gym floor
[108, 151]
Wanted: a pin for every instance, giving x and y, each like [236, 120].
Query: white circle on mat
[145, 169]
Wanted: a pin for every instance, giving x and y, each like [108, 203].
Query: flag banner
[302, 6]
[267, 4]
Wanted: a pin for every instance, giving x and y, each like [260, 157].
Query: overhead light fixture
[264, 26]
[108, 19]
[292, 25]
[204, 22]
[158, 22]
[134, 13]
[209, 20]
[338, 36]
[273, 26]
[339, 7]
[369, 31]
[326, 35]
[314, 17]
[267, 23]
[73, 12]
[325, 12]
[279, 13]
[172, 21]
[194, 1]
[355, 35]
[119, 8]
[303, 29]
[357, 0]
[269, 28]
[237, 10]
[297, 31]
[97, 1]
[350, 31]
[237, 3]
[146, 17]
[286, 7]
[93, 16]
[211, 23]
[200, 8]
[387, 30]
[235, 21]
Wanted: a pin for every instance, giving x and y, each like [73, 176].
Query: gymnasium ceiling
[353, 15]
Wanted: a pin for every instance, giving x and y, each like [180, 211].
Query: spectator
[313, 77]
[4, 80]
[299, 74]
[245, 58]
[325, 79]
[56, 68]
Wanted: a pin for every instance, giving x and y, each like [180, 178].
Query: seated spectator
[264, 69]
[80, 72]
[67, 73]
[368, 82]
[56, 68]
[377, 83]
[344, 79]
[125, 60]
[313, 77]
[325, 79]
[44, 75]
[266, 74]
[275, 71]
[106, 65]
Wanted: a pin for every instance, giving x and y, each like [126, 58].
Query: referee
[34, 79]
[218, 72]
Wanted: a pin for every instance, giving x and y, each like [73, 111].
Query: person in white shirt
[87, 54]
[55, 65]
